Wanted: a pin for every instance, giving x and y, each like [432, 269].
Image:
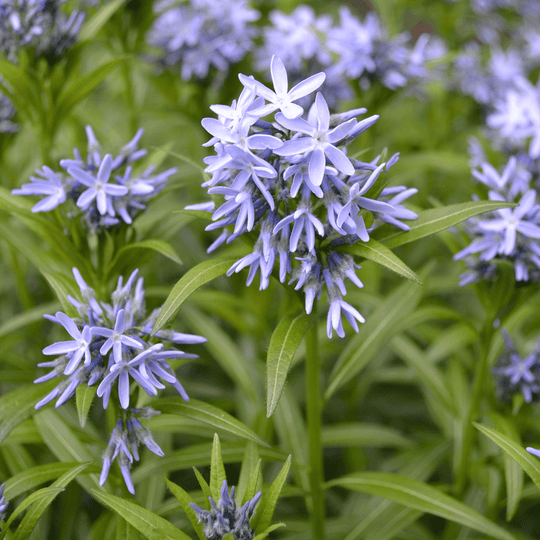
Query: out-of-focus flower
[199, 35]
[105, 189]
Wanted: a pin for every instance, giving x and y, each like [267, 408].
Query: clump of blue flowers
[515, 374]
[111, 346]
[199, 35]
[292, 183]
[226, 518]
[38, 24]
[104, 188]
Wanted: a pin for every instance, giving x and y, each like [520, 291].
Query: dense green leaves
[283, 344]
[422, 497]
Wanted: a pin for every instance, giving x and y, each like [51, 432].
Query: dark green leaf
[160, 246]
[422, 497]
[84, 398]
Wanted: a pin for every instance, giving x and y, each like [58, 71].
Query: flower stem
[314, 421]
[478, 390]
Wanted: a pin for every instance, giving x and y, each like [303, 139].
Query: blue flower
[515, 374]
[3, 503]
[225, 517]
[50, 185]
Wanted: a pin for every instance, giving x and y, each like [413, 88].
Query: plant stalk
[314, 422]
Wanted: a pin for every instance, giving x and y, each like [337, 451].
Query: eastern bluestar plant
[38, 24]
[291, 183]
[112, 346]
[515, 374]
[105, 189]
[199, 35]
[226, 518]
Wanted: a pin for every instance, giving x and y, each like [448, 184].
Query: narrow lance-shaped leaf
[159, 246]
[265, 510]
[217, 469]
[435, 220]
[83, 398]
[253, 482]
[184, 499]
[30, 520]
[529, 463]
[151, 525]
[422, 497]
[264, 534]
[91, 27]
[193, 279]
[380, 254]
[285, 340]
[249, 462]
[204, 412]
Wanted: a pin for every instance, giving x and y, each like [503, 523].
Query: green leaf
[283, 344]
[30, 520]
[265, 509]
[264, 534]
[92, 27]
[28, 317]
[193, 279]
[420, 496]
[355, 434]
[64, 444]
[204, 486]
[62, 286]
[160, 246]
[217, 469]
[380, 254]
[84, 397]
[151, 525]
[81, 88]
[377, 330]
[526, 461]
[213, 416]
[184, 499]
[17, 406]
[31, 478]
[253, 482]
[435, 220]
[249, 463]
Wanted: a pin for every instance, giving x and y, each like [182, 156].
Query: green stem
[479, 386]
[314, 421]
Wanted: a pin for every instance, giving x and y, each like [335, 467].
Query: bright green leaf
[193, 279]
[380, 254]
[283, 344]
[83, 398]
[264, 534]
[184, 499]
[92, 27]
[435, 220]
[217, 469]
[204, 412]
[265, 509]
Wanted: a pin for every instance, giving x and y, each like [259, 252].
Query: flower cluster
[103, 188]
[291, 182]
[352, 50]
[124, 443]
[515, 374]
[111, 346]
[40, 24]
[201, 34]
[226, 518]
